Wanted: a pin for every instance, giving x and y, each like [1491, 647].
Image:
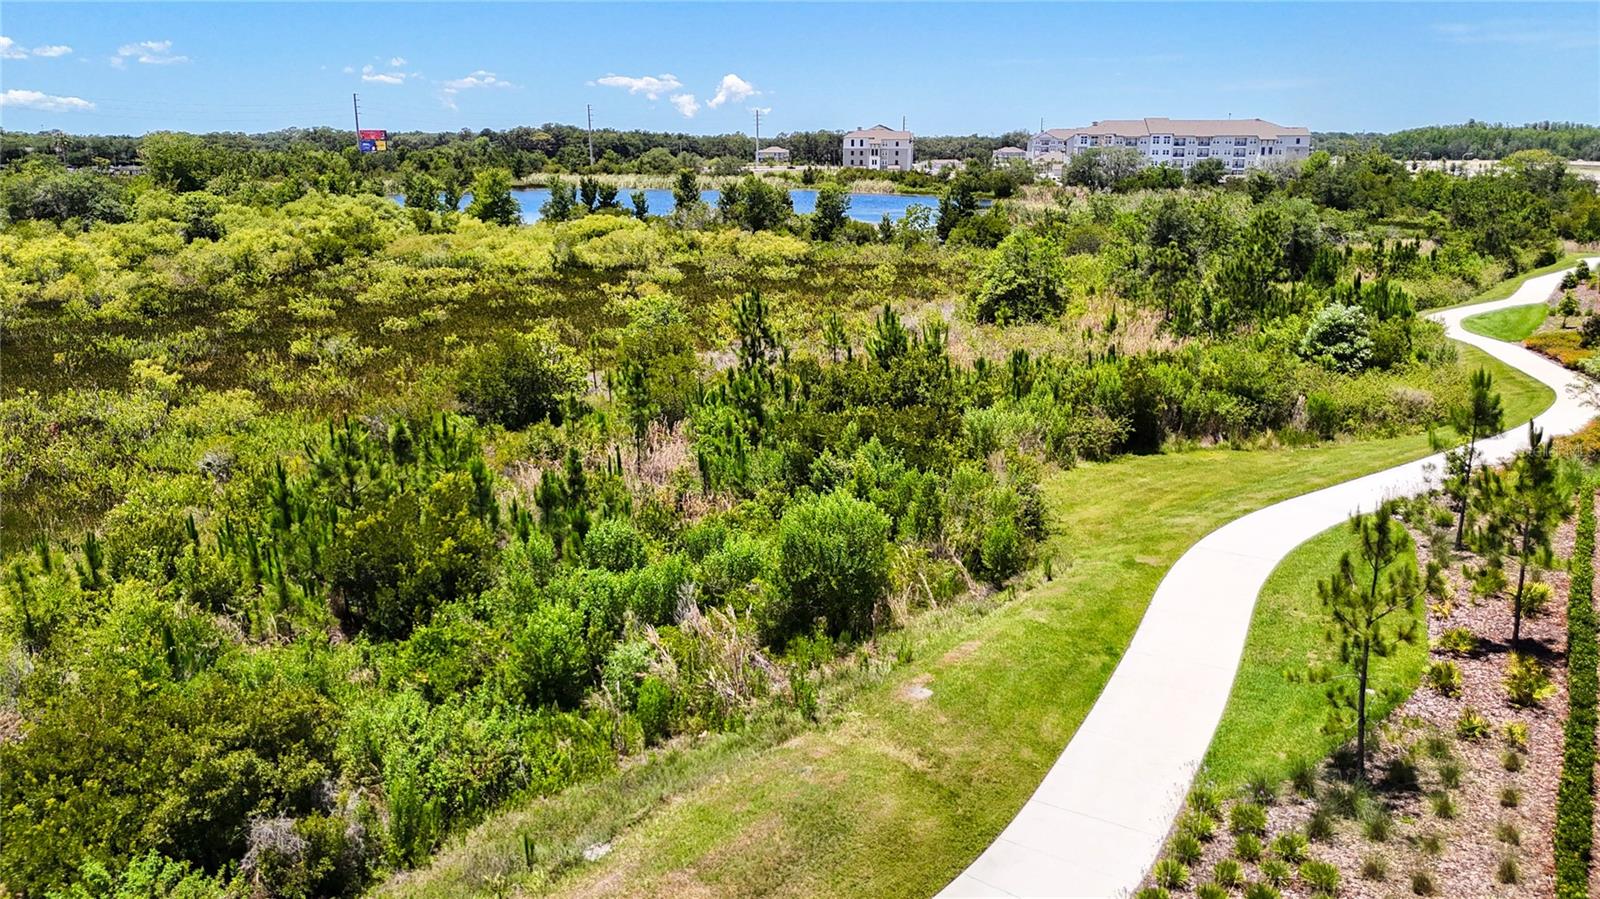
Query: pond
[869, 208]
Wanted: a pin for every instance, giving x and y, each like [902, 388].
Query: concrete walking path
[1099, 818]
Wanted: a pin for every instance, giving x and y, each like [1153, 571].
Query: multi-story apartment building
[1241, 144]
[879, 147]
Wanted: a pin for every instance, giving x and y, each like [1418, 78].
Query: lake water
[863, 207]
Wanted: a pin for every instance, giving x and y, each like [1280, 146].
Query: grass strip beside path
[894, 794]
[1511, 325]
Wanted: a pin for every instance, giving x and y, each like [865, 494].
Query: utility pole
[589, 111]
[355, 104]
[758, 134]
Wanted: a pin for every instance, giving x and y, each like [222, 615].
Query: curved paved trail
[1098, 820]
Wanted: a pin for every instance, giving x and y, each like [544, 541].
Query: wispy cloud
[10, 50]
[652, 86]
[150, 53]
[686, 104]
[1524, 32]
[732, 88]
[22, 99]
[476, 81]
[373, 76]
[397, 61]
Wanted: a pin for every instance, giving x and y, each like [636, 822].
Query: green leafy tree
[959, 203]
[1338, 338]
[1207, 172]
[833, 203]
[1372, 603]
[686, 190]
[641, 205]
[422, 191]
[563, 203]
[1481, 416]
[1024, 280]
[833, 566]
[492, 200]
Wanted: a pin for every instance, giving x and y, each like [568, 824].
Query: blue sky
[703, 67]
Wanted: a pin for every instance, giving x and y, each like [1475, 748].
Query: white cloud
[150, 53]
[10, 50]
[732, 88]
[686, 104]
[43, 102]
[478, 79]
[397, 62]
[373, 76]
[764, 110]
[349, 70]
[652, 86]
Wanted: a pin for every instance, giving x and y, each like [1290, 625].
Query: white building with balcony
[879, 147]
[1241, 144]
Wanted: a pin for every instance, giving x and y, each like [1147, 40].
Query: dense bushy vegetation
[1575, 798]
[333, 523]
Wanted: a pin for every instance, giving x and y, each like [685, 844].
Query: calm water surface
[863, 207]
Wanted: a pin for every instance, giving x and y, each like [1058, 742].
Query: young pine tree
[1481, 416]
[1529, 512]
[1372, 603]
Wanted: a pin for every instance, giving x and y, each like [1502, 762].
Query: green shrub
[1248, 847]
[1262, 891]
[833, 564]
[1471, 725]
[1228, 873]
[1276, 871]
[1423, 884]
[1527, 681]
[1247, 817]
[1374, 867]
[654, 709]
[518, 379]
[1211, 891]
[1320, 875]
[1185, 848]
[1458, 641]
[1445, 677]
[1450, 774]
[615, 545]
[1292, 847]
[1171, 874]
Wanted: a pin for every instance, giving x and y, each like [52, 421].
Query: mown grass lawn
[894, 795]
[1510, 325]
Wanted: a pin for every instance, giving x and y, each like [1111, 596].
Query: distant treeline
[566, 147]
[526, 149]
[1473, 140]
